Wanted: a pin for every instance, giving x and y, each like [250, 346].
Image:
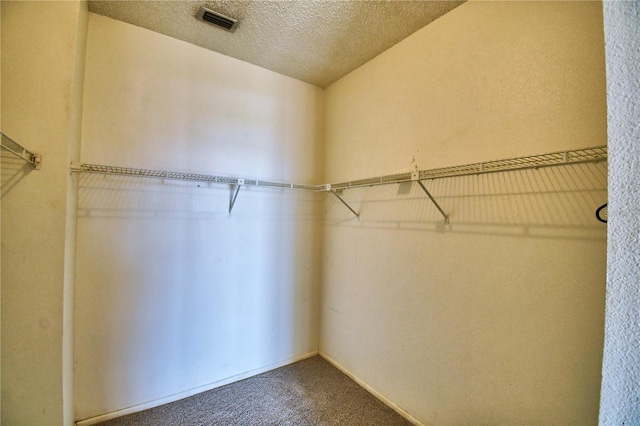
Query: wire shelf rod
[554, 159]
[198, 177]
[21, 152]
[562, 158]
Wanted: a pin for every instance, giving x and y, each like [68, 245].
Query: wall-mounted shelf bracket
[415, 176]
[239, 185]
[327, 188]
[345, 203]
[19, 151]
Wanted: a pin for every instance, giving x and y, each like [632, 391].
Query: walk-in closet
[431, 204]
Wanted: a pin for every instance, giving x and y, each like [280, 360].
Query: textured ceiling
[316, 41]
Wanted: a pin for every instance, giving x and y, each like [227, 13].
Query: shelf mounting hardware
[601, 213]
[239, 184]
[415, 176]
[327, 188]
[21, 152]
[345, 203]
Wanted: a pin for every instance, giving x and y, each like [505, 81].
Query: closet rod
[21, 152]
[163, 174]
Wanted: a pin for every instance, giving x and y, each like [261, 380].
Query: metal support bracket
[327, 188]
[21, 152]
[345, 203]
[240, 183]
[415, 176]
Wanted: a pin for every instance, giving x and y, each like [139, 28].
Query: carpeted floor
[309, 392]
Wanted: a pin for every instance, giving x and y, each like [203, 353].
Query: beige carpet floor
[309, 392]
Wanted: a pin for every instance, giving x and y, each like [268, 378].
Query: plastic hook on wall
[602, 211]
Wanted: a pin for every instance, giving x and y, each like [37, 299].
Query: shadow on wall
[173, 293]
[552, 202]
[13, 170]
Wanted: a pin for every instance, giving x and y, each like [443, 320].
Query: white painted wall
[40, 63]
[498, 317]
[0, 217]
[172, 294]
[621, 372]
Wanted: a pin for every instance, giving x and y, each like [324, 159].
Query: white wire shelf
[562, 158]
[21, 152]
[198, 177]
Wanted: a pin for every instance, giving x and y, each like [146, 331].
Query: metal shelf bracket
[415, 176]
[239, 185]
[21, 152]
[327, 188]
[345, 203]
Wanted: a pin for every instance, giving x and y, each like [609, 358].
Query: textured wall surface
[498, 317]
[172, 292]
[39, 81]
[620, 403]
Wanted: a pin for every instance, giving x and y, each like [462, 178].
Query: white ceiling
[316, 41]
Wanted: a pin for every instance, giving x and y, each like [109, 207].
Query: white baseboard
[181, 395]
[373, 392]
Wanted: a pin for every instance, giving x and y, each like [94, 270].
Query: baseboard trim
[181, 395]
[373, 392]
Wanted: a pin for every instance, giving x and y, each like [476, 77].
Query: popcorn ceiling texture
[620, 394]
[314, 41]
